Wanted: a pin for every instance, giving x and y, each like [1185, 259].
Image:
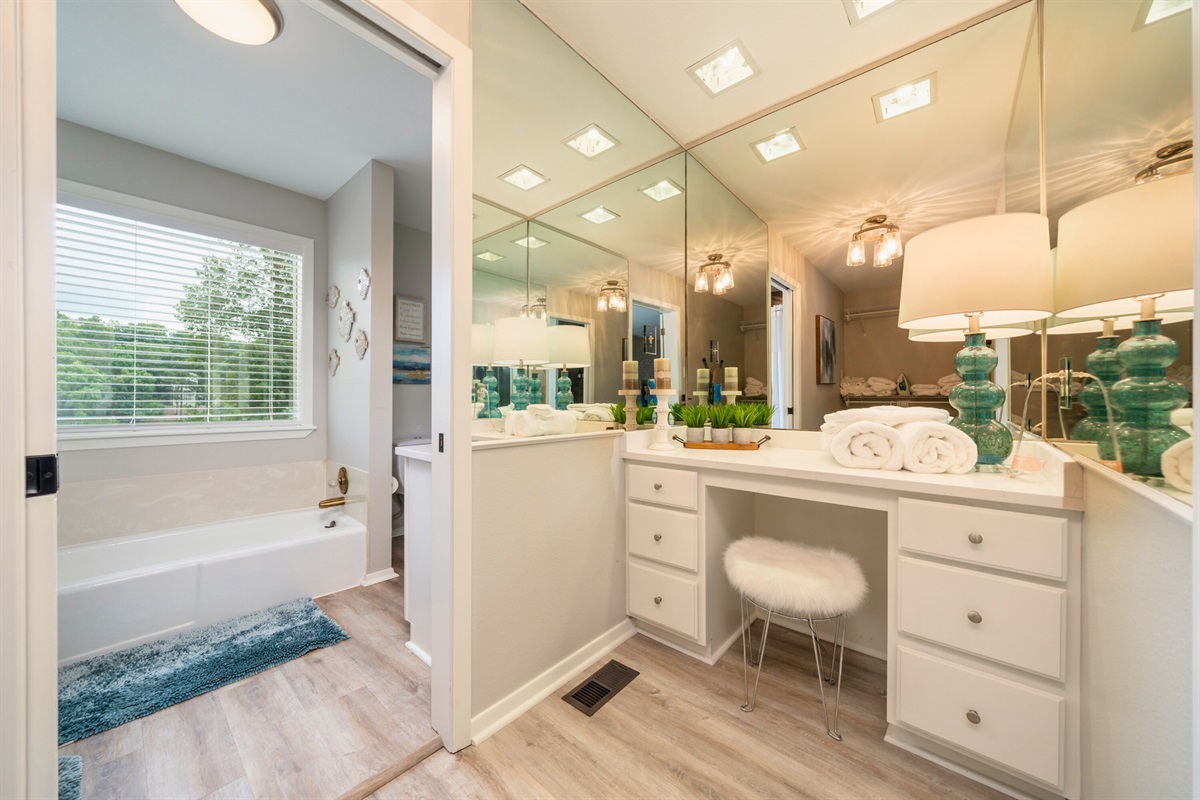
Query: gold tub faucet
[331, 502]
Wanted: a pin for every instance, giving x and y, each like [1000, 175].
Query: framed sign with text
[409, 319]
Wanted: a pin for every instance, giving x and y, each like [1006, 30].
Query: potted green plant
[618, 412]
[766, 413]
[721, 416]
[745, 416]
[645, 415]
[676, 410]
[694, 418]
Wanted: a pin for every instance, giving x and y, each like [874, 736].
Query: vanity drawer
[1017, 726]
[1010, 540]
[670, 487]
[663, 535]
[665, 600]
[1020, 623]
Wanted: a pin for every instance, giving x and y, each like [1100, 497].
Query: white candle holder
[630, 407]
[662, 429]
[730, 397]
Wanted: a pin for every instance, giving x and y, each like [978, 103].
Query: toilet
[398, 483]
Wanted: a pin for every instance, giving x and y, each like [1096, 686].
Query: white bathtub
[121, 592]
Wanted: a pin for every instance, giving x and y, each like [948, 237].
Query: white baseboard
[823, 635]
[419, 653]
[380, 576]
[930, 751]
[493, 719]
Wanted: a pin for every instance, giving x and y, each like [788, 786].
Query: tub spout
[331, 502]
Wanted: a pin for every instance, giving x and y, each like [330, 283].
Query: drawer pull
[975, 617]
[973, 717]
[658, 601]
[975, 538]
[658, 487]
[658, 537]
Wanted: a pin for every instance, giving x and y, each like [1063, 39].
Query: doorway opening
[782, 341]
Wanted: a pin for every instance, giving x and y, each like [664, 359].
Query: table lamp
[569, 349]
[520, 342]
[481, 356]
[994, 271]
[1130, 252]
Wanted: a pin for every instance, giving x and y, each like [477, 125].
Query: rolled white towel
[949, 380]
[925, 389]
[945, 390]
[525, 423]
[540, 410]
[868, 445]
[884, 415]
[1182, 417]
[934, 447]
[881, 383]
[1177, 465]
[596, 412]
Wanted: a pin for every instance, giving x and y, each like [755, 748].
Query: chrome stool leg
[839, 644]
[752, 692]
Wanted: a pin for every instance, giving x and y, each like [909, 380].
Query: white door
[782, 340]
[28, 611]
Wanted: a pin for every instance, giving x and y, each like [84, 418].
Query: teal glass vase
[1146, 398]
[977, 400]
[491, 408]
[564, 396]
[1105, 364]
[535, 389]
[520, 393]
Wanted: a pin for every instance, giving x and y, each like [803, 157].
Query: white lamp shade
[998, 266]
[958, 334]
[1132, 243]
[481, 344]
[519, 340]
[569, 346]
[1059, 326]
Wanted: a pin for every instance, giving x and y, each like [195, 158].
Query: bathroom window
[173, 324]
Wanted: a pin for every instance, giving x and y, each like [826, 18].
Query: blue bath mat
[108, 690]
[70, 773]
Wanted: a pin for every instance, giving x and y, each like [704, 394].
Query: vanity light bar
[600, 215]
[661, 190]
[777, 145]
[727, 67]
[591, 141]
[488, 255]
[532, 242]
[903, 99]
[523, 177]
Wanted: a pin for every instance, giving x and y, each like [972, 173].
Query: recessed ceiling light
[902, 99]
[591, 141]
[488, 255]
[532, 242]
[728, 66]
[1152, 11]
[523, 177]
[661, 190]
[858, 10]
[778, 145]
[241, 21]
[599, 215]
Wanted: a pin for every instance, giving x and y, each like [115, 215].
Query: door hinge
[41, 475]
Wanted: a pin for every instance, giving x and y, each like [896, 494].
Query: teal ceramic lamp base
[977, 399]
[564, 396]
[1145, 399]
[491, 408]
[520, 395]
[1106, 365]
[535, 389]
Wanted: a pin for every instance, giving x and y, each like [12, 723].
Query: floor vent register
[600, 687]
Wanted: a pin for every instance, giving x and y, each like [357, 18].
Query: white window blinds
[158, 326]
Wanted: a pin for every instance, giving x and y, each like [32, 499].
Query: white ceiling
[304, 112]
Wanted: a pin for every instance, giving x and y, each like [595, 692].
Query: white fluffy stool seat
[794, 579]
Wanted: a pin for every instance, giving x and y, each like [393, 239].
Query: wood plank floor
[311, 728]
[678, 731]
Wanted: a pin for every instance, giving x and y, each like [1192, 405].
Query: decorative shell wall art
[360, 343]
[345, 320]
[334, 361]
[364, 283]
[331, 296]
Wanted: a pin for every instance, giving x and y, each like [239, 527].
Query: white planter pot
[744, 435]
[721, 435]
[695, 435]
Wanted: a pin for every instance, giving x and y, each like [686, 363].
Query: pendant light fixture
[716, 274]
[612, 297]
[242, 21]
[887, 242]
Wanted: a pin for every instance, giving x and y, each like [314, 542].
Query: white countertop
[796, 454]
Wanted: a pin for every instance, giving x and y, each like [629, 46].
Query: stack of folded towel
[755, 387]
[948, 382]
[925, 390]
[593, 412]
[881, 387]
[867, 387]
[1177, 465]
[851, 387]
[892, 438]
[539, 420]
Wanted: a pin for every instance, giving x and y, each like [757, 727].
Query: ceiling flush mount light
[591, 141]
[241, 21]
[1177, 153]
[903, 99]
[488, 255]
[1152, 11]
[600, 215]
[523, 177]
[778, 145]
[858, 10]
[717, 273]
[664, 189]
[612, 297]
[727, 67]
[887, 242]
[532, 242]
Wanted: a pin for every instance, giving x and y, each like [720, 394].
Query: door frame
[793, 377]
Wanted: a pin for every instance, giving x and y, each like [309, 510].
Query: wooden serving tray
[729, 446]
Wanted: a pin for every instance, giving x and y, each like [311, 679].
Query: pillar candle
[702, 379]
[629, 369]
[662, 373]
[731, 379]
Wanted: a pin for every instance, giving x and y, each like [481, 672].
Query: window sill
[106, 440]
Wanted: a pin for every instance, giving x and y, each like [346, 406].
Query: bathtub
[117, 593]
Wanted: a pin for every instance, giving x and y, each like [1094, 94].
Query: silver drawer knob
[975, 538]
[657, 601]
[658, 487]
[975, 617]
[658, 537]
[973, 717]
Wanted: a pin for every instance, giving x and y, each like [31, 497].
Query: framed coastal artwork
[826, 350]
[410, 363]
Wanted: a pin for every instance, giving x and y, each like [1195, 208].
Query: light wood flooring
[678, 731]
[311, 728]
